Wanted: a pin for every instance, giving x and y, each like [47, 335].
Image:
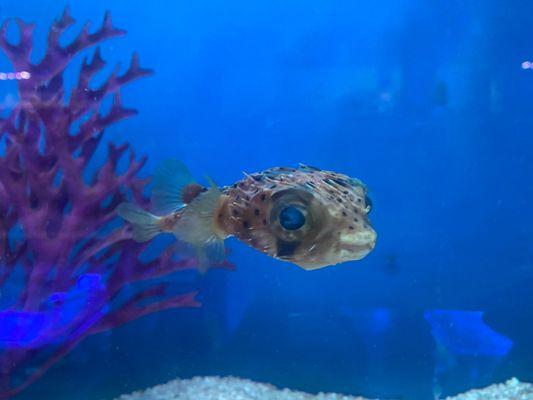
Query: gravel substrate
[230, 388]
[513, 389]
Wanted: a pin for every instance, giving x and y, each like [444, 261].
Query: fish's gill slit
[286, 249]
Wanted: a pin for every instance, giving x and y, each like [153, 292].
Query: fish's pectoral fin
[197, 227]
[145, 225]
[210, 253]
[170, 179]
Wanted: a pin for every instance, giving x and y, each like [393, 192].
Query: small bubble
[527, 65]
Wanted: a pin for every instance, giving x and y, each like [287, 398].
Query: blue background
[425, 101]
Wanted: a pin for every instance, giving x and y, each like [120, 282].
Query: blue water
[429, 103]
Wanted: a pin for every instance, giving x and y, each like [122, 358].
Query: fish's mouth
[350, 246]
[356, 245]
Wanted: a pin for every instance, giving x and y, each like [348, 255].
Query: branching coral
[58, 228]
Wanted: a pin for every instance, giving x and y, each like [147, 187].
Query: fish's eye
[291, 218]
[368, 204]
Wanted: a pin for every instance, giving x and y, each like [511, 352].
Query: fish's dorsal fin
[170, 178]
[197, 227]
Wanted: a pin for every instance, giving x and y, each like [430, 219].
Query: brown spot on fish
[190, 192]
[340, 182]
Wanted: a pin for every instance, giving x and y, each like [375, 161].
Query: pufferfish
[306, 216]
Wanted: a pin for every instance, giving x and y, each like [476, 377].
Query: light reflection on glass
[9, 76]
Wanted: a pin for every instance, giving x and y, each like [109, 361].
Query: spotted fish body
[304, 215]
[336, 206]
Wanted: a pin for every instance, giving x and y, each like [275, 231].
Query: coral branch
[133, 310]
[60, 228]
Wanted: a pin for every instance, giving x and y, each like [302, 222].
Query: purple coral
[58, 230]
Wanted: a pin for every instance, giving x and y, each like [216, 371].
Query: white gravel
[513, 389]
[230, 388]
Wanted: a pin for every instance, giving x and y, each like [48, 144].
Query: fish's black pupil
[291, 218]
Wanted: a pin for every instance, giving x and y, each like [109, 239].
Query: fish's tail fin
[145, 225]
[197, 227]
